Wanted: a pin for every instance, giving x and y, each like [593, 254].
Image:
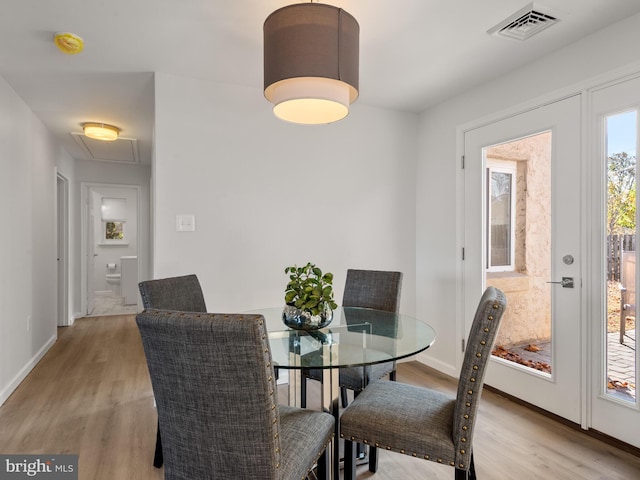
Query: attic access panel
[122, 150]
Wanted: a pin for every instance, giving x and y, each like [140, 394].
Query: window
[114, 230]
[113, 212]
[501, 193]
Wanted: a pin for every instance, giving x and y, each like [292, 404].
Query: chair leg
[623, 306]
[158, 459]
[344, 397]
[392, 376]
[462, 474]
[467, 474]
[472, 469]
[322, 472]
[360, 450]
[303, 391]
[373, 459]
[349, 460]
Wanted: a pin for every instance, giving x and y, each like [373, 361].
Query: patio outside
[621, 375]
[525, 333]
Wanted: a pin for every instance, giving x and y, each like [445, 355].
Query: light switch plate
[185, 223]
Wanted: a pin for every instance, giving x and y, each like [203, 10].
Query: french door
[615, 132]
[522, 234]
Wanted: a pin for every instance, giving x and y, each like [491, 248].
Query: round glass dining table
[355, 337]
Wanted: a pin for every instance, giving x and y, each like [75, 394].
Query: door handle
[566, 282]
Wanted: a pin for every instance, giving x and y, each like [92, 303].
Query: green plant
[309, 289]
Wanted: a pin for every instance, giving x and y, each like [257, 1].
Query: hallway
[106, 303]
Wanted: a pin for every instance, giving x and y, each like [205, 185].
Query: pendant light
[311, 62]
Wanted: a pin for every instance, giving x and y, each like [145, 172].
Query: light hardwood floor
[91, 396]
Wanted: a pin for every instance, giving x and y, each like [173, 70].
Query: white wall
[28, 297]
[602, 55]
[268, 194]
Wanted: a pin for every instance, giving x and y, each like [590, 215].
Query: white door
[615, 132]
[62, 226]
[522, 225]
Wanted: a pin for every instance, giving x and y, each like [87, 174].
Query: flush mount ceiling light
[68, 43]
[311, 62]
[101, 131]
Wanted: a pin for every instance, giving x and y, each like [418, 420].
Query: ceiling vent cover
[524, 24]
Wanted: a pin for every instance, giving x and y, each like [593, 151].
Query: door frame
[589, 307]
[85, 249]
[559, 116]
[489, 119]
[62, 249]
[617, 412]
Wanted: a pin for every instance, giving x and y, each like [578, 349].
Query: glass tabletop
[356, 336]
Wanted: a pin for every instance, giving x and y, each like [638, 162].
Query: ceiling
[413, 53]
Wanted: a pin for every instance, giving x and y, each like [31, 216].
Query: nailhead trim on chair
[403, 451]
[482, 347]
[274, 407]
[318, 458]
[272, 387]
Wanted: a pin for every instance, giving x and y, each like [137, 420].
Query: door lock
[566, 282]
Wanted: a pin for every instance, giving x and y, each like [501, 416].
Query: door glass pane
[519, 234]
[621, 255]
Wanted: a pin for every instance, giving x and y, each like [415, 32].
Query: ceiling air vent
[524, 24]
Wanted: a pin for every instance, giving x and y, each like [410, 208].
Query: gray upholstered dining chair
[423, 422]
[182, 293]
[217, 401]
[175, 293]
[375, 289]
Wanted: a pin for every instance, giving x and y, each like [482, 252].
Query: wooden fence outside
[616, 245]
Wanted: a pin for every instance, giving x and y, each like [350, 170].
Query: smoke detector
[525, 23]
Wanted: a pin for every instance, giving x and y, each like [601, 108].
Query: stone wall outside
[528, 315]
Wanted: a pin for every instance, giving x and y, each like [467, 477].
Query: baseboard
[6, 392]
[445, 368]
[609, 440]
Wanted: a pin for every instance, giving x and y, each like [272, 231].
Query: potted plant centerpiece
[308, 297]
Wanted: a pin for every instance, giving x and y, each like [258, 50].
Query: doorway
[111, 235]
[522, 221]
